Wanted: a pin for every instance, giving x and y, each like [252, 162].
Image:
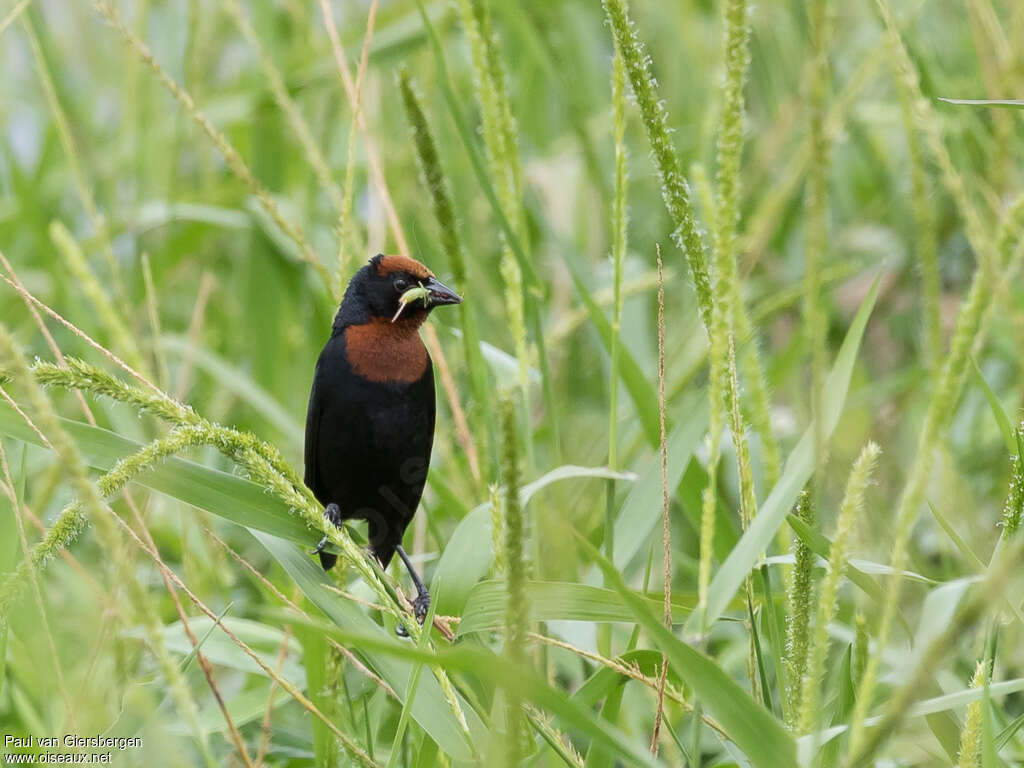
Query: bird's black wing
[313, 416]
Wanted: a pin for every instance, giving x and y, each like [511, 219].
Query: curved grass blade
[599, 684]
[798, 471]
[238, 382]
[555, 601]
[221, 650]
[761, 736]
[429, 707]
[480, 663]
[414, 682]
[467, 557]
[219, 493]
[1010, 103]
[997, 410]
[641, 511]
[944, 703]
[641, 390]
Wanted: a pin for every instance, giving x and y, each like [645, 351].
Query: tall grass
[184, 192]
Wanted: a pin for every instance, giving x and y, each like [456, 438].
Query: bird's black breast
[368, 444]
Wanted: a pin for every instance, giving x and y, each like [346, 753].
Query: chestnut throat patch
[384, 351]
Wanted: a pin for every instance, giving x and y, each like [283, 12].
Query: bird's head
[394, 288]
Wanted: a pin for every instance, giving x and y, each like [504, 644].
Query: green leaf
[413, 685]
[504, 366]
[232, 379]
[159, 213]
[689, 492]
[943, 703]
[641, 512]
[605, 679]
[314, 660]
[1011, 103]
[641, 390]
[220, 493]
[1009, 731]
[761, 736]
[955, 537]
[554, 601]
[798, 471]
[467, 558]
[191, 655]
[246, 707]
[610, 710]
[220, 649]
[997, 410]
[483, 664]
[845, 700]
[9, 541]
[429, 708]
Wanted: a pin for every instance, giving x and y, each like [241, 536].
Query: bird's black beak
[440, 293]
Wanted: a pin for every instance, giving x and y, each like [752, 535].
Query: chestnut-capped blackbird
[370, 422]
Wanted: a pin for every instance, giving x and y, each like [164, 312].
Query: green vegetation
[832, 424]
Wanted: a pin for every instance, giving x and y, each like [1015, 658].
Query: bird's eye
[401, 284]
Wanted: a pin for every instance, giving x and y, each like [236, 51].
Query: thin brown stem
[195, 326]
[294, 606]
[666, 528]
[350, 746]
[282, 653]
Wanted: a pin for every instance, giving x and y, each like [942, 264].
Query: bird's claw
[332, 514]
[421, 607]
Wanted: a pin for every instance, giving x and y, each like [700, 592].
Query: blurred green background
[235, 318]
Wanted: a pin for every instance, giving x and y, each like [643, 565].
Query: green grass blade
[220, 493]
[232, 379]
[798, 470]
[944, 703]
[761, 736]
[641, 511]
[1005, 427]
[429, 708]
[1011, 103]
[467, 557]
[645, 399]
[412, 687]
[557, 601]
[485, 665]
[314, 660]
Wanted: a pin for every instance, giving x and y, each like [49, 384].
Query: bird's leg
[332, 514]
[421, 605]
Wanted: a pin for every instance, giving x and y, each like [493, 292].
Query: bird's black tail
[382, 541]
[327, 560]
[384, 554]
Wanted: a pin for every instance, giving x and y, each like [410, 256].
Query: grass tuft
[969, 753]
[851, 508]
[516, 606]
[798, 615]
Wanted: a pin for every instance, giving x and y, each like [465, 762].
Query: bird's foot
[420, 609]
[332, 514]
[421, 606]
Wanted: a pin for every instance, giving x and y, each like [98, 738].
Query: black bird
[370, 422]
